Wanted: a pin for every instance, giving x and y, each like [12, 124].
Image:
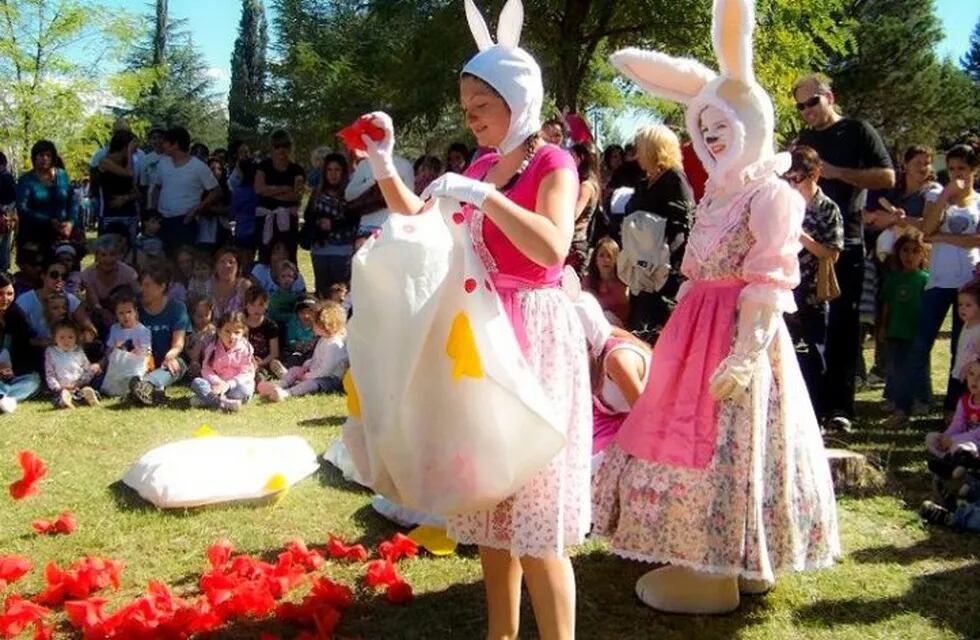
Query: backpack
[644, 262]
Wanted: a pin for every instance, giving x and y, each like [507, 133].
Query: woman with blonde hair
[664, 192]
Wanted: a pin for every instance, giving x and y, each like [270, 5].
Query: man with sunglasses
[854, 160]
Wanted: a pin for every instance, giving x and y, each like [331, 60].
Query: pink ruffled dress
[552, 511]
[734, 488]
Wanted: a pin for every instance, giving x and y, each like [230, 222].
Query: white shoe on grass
[8, 404]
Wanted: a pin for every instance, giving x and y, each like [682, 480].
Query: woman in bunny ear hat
[719, 471]
[519, 206]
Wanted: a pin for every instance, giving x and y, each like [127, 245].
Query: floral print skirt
[551, 511]
[763, 505]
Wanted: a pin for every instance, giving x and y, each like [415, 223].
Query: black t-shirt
[8, 189]
[275, 178]
[850, 144]
[15, 336]
[260, 337]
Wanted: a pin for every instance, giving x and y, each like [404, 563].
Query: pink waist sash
[508, 287]
[675, 420]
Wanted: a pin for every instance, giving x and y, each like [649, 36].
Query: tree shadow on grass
[942, 543]
[943, 597]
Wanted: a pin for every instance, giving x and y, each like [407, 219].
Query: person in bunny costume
[719, 472]
[519, 205]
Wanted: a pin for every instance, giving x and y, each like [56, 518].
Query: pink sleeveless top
[504, 257]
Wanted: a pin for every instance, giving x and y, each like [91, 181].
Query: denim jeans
[161, 378]
[21, 387]
[936, 303]
[202, 389]
[902, 380]
[967, 518]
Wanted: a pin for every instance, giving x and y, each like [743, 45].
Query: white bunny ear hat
[510, 70]
[734, 91]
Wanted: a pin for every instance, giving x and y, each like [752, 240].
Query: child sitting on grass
[127, 333]
[55, 310]
[263, 333]
[300, 338]
[957, 450]
[202, 333]
[227, 379]
[323, 371]
[67, 370]
[282, 301]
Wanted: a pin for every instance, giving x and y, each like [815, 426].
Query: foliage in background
[175, 88]
[337, 60]
[895, 80]
[51, 53]
[248, 74]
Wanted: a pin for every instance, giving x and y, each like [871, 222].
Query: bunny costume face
[734, 92]
[510, 70]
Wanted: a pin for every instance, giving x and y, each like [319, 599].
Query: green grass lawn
[898, 579]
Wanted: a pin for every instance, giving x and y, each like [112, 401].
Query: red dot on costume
[458, 217]
[469, 285]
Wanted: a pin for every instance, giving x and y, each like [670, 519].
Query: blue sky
[214, 26]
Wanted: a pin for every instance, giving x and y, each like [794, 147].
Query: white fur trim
[478, 27]
[510, 24]
[680, 79]
[731, 32]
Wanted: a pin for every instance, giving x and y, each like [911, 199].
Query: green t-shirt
[903, 295]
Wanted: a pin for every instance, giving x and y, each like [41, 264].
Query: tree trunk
[852, 473]
[160, 42]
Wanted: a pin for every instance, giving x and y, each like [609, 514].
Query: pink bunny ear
[731, 30]
[679, 79]
[478, 27]
[511, 24]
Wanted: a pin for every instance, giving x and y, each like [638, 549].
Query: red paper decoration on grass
[34, 470]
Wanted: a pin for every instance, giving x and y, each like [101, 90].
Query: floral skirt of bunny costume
[764, 502]
[552, 510]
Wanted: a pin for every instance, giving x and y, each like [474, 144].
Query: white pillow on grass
[212, 470]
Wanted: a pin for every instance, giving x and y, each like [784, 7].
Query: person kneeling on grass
[323, 371]
[227, 372]
[67, 370]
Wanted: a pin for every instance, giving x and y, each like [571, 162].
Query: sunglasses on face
[56, 275]
[806, 104]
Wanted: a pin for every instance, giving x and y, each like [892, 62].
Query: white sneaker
[278, 369]
[8, 404]
[67, 400]
[90, 396]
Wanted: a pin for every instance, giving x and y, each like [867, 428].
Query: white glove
[757, 326]
[459, 188]
[380, 154]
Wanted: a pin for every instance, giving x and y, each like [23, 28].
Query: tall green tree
[971, 59]
[177, 89]
[337, 59]
[895, 80]
[51, 85]
[248, 73]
